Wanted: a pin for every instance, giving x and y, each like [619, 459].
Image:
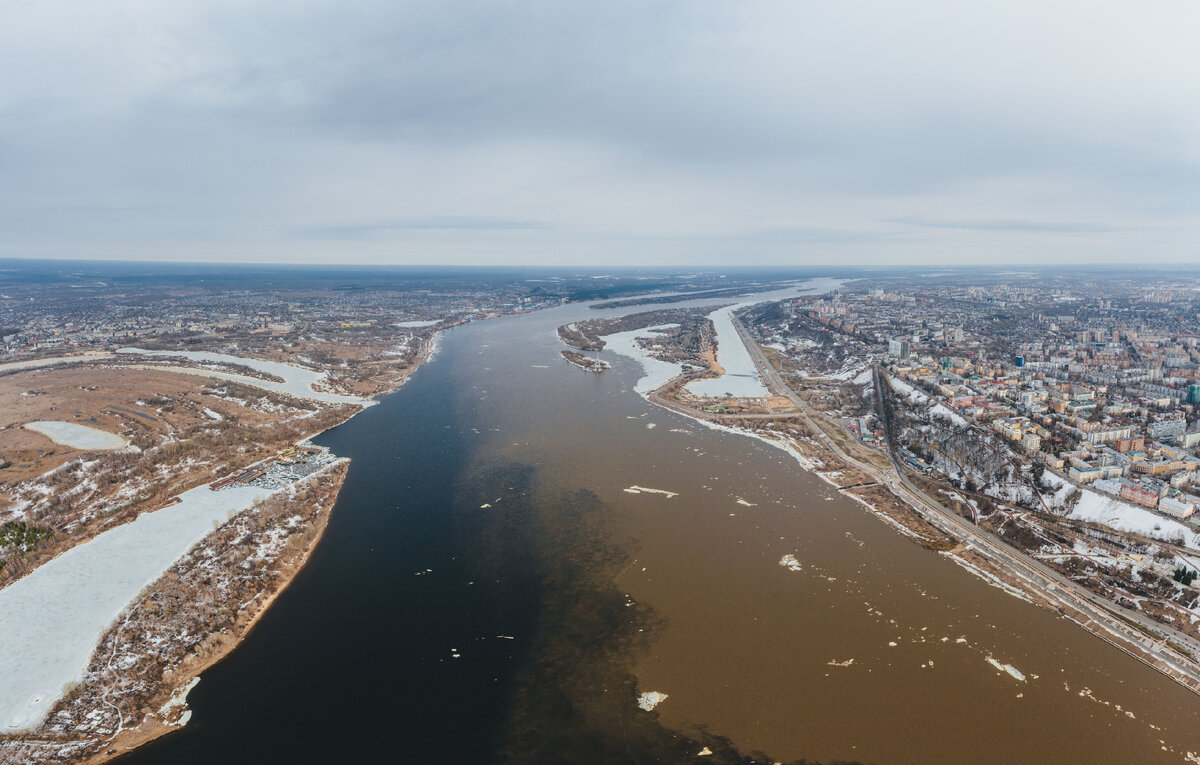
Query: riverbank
[879, 486]
[135, 685]
[167, 638]
[174, 693]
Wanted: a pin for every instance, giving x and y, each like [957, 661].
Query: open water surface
[429, 629]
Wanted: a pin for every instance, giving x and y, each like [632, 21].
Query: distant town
[1100, 385]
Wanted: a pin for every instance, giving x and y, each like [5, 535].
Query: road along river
[503, 578]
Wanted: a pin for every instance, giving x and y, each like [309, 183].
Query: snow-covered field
[655, 373]
[1123, 516]
[902, 386]
[52, 619]
[949, 414]
[75, 435]
[298, 381]
[741, 375]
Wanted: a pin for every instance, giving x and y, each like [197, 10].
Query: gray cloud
[401, 225]
[620, 132]
[1023, 226]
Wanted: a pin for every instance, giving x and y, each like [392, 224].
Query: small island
[586, 362]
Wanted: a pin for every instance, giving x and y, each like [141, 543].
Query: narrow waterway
[488, 591]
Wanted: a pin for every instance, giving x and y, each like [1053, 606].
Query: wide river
[487, 591]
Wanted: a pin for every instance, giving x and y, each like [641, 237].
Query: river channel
[488, 591]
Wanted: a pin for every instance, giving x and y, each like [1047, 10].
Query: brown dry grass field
[87, 396]
[176, 445]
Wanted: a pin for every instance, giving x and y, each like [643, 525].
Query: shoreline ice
[741, 378]
[53, 618]
[297, 381]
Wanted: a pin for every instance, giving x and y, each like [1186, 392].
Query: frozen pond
[298, 381]
[655, 373]
[35, 363]
[53, 618]
[741, 376]
[75, 435]
[416, 323]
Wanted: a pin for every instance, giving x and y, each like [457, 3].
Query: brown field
[77, 494]
[86, 395]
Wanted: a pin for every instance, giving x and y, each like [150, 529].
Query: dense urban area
[1057, 411]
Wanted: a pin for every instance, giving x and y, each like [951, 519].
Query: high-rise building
[899, 348]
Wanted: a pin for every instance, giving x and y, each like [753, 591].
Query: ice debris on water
[789, 562]
[1010, 669]
[635, 489]
[650, 699]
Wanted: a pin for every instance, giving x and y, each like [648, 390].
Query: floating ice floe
[741, 501]
[650, 699]
[845, 663]
[643, 490]
[1010, 669]
[789, 562]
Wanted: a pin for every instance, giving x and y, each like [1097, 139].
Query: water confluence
[488, 590]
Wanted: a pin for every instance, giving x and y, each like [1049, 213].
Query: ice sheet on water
[650, 699]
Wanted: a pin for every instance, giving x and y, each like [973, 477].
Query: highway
[1094, 611]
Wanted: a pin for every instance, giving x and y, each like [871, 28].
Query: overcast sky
[615, 132]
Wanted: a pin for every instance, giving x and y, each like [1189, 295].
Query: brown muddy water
[566, 596]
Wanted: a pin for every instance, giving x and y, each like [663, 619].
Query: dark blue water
[353, 663]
